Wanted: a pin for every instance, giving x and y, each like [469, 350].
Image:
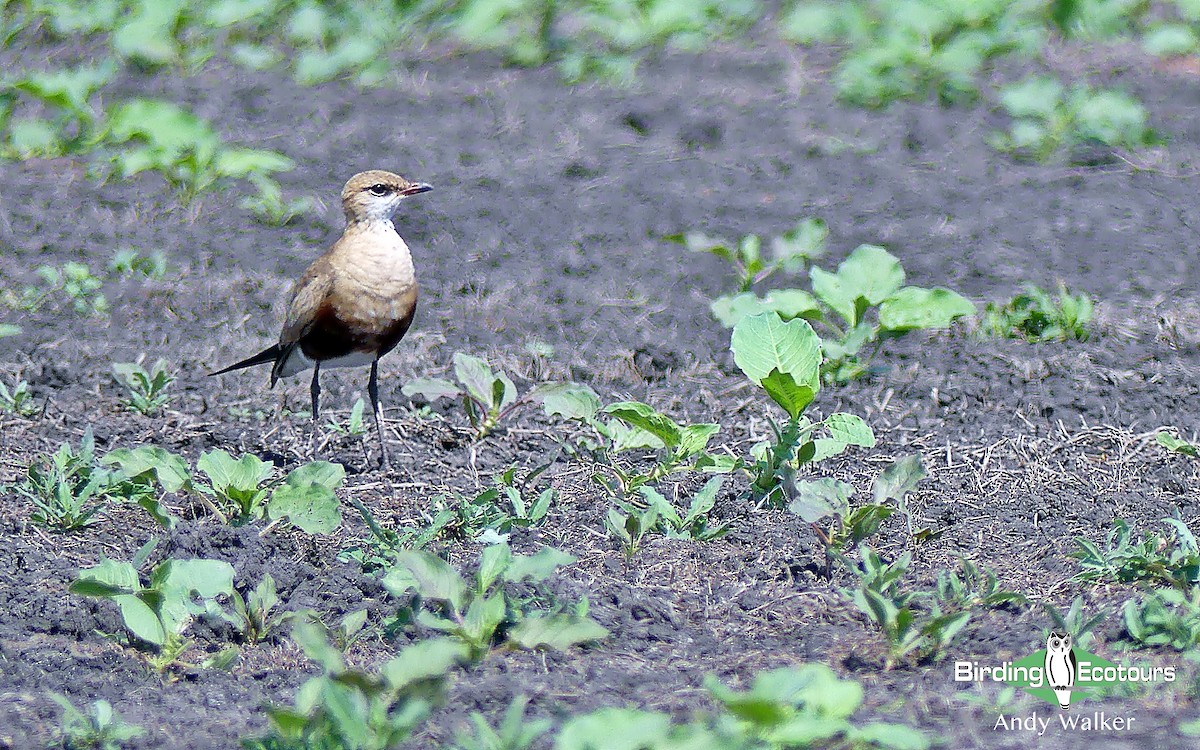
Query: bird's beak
[416, 187]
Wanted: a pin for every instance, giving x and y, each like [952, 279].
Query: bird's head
[375, 195]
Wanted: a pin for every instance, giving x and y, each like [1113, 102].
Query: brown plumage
[354, 303]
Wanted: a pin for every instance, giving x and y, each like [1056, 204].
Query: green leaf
[765, 343]
[242, 162]
[324, 473]
[141, 620]
[119, 575]
[792, 303]
[479, 380]
[820, 498]
[899, 479]
[435, 578]
[694, 438]
[567, 400]
[170, 470]
[243, 475]
[484, 615]
[850, 429]
[914, 308]
[431, 389]
[870, 273]
[646, 418]
[792, 397]
[536, 567]
[558, 632]
[613, 729]
[494, 560]
[311, 507]
[423, 660]
[1174, 444]
[730, 309]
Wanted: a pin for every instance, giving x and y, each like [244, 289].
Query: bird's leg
[315, 390]
[377, 409]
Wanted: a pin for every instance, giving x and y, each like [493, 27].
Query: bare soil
[546, 228]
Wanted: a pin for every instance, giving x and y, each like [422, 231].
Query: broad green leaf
[765, 343]
[311, 638]
[494, 560]
[148, 35]
[141, 620]
[206, 579]
[536, 567]
[613, 729]
[311, 507]
[899, 479]
[792, 303]
[435, 578]
[792, 397]
[484, 615]
[120, 575]
[730, 309]
[323, 473]
[245, 474]
[872, 273]
[423, 660]
[431, 389]
[654, 499]
[646, 418]
[1172, 443]
[558, 632]
[567, 400]
[850, 429]
[477, 377]
[170, 470]
[816, 499]
[808, 730]
[694, 438]
[829, 289]
[704, 499]
[914, 308]
[241, 162]
[626, 438]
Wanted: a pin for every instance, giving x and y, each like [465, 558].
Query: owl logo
[1060, 667]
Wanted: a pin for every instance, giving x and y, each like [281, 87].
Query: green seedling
[631, 527]
[784, 359]
[66, 121]
[498, 509]
[269, 206]
[348, 708]
[906, 630]
[479, 612]
[378, 552]
[815, 500]
[805, 706]
[695, 523]
[488, 397]
[254, 614]
[1073, 622]
[73, 282]
[68, 489]
[1166, 617]
[1037, 317]
[900, 50]
[1172, 559]
[354, 426]
[146, 390]
[790, 252]
[350, 628]
[100, 728]
[162, 137]
[1048, 121]
[129, 262]
[1164, 438]
[864, 303]
[971, 588]
[515, 732]
[18, 401]
[156, 615]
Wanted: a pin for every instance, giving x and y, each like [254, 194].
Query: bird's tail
[266, 355]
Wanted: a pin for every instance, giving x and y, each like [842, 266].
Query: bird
[356, 301]
[1061, 667]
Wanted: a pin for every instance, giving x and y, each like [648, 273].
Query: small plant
[254, 614]
[1166, 617]
[514, 733]
[146, 390]
[269, 206]
[479, 611]
[347, 708]
[158, 614]
[630, 524]
[69, 123]
[1172, 559]
[1073, 622]
[354, 427]
[1037, 317]
[1049, 120]
[971, 588]
[861, 305]
[101, 728]
[17, 401]
[72, 281]
[631, 527]
[784, 359]
[906, 630]
[790, 252]
[805, 706]
[129, 262]
[68, 489]
[488, 397]
[1164, 438]
[499, 509]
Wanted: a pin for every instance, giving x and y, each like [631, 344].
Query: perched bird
[355, 302]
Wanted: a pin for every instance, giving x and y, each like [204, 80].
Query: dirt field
[546, 227]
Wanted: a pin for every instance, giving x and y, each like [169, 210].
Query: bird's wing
[311, 292]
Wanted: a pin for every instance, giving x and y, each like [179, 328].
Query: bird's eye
[379, 190]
